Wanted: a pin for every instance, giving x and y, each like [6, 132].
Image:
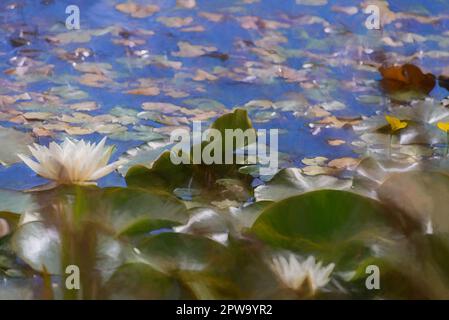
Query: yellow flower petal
[395, 123]
[443, 126]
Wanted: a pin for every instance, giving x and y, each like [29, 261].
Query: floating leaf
[13, 142]
[142, 282]
[128, 207]
[183, 252]
[16, 201]
[137, 10]
[405, 78]
[39, 246]
[291, 181]
[163, 175]
[320, 219]
[188, 50]
[421, 196]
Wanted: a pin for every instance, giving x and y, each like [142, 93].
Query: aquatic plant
[444, 126]
[72, 162]
[301, 275]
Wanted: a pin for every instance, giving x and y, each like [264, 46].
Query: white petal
[105, 170]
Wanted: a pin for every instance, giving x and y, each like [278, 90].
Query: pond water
[277, 58]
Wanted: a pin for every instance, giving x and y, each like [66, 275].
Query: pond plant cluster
[205, 232]
[313, 229]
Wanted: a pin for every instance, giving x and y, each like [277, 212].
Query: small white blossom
[72, 162]
[294, 273]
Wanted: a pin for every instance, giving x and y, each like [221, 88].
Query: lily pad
[184, 252]
[142, 282]
[15, 201]
[39, 246]
[320, 218]
[13, 142]
[128, 207]
[421, 196]
[289, 182]
[166, 176]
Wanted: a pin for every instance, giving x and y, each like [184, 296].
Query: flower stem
[389, 149]
[447, 144]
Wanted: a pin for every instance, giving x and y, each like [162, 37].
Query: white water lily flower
[295, 274]
[72, 162]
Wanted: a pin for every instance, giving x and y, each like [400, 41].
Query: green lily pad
[128, 207]
[184, 252]
[321, 219]
[162, 174]
[142, 282]
[246, 216]
[116, 208]
[144, 155]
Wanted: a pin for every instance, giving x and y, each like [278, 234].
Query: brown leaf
[407, 77]
[338, 122]
[137, 10]
[175, 22]
[94, 80]
[187, 4]
[335, 142]
[84, 106]
[202, 75]
[42, 132]
[346, 10]
[188, 50]
[344, 163]
[318, 170]
[193, 29]
[148, 91]
[214, 17]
